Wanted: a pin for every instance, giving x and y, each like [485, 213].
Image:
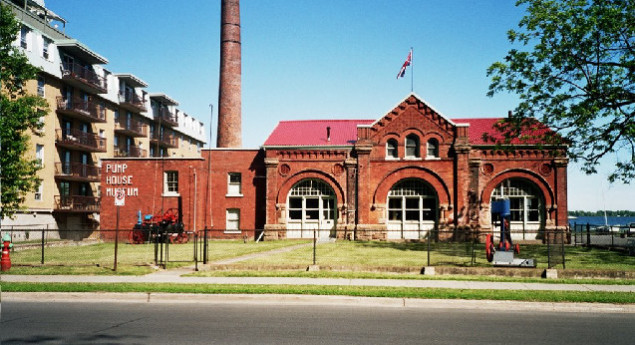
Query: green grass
[344, 255]
[425, 293]
[401, 254]
[137, 259]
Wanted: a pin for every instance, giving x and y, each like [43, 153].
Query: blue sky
[314, 59]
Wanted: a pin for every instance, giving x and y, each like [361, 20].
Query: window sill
[433, 158]
[170, 195]
[234, 195]
[232, 232]
[388, 158]
[412, 158]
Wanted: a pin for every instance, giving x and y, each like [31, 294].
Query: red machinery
[168, 225]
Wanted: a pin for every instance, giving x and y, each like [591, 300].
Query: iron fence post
[563, 254]
[588, 234]
[205, 246]
[43, 244]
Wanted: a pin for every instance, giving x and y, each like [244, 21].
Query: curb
[290, 300]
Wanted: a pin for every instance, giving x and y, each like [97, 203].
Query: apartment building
[94, 114]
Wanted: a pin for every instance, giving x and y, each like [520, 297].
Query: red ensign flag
[406, 63]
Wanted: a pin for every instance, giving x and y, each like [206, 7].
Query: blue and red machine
[503, 254]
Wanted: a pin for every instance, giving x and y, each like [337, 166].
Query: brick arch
[286, 186]
[443, 193]
[543, 186]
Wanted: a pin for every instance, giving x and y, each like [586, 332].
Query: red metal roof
[485, 131]
[344, 132]
[313, 133]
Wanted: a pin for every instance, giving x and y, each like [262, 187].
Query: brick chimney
[229, 95]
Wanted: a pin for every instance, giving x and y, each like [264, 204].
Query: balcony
[79, 140]
[81, 109]
[132, 128]
[132, 151]
[132, 102]
[76, 204]
[84, 78]
[165, 139]
[165, 117]
[77, 172]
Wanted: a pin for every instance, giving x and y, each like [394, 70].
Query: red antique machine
[161, 226]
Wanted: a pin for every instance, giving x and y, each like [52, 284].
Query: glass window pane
[312, 214]
[295, 203]
[312, 203]
[412, 215]
[295, 214]
[394, 203]
[412, 203]
[394, 215]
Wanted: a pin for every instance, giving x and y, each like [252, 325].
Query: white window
[525, 200]
[39, 154]
[391, 149]
[45, 47]
[171, 183]
[412, 146]
[39, 192]
[433, 148]
[233, 184]
[24, 37]
[232, 223]
[41, 82]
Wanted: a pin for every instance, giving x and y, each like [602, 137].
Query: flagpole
[412, 70]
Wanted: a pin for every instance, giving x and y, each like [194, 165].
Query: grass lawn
[399, 254]
[367, 291]
[131, 259]
[355, 256]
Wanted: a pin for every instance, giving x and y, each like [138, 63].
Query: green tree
[573, 67]
[20, 114]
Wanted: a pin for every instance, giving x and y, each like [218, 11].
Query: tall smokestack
[229, 96]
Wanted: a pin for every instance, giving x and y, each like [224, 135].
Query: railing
[165, 139]
[84, 74]
[165, 116]
[131, 127]
[76, 203]
[131, 151]
[86, 109]
[75, 138]
[77, 171]
[130, 98]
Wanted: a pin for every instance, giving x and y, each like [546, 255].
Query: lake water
[600, 220]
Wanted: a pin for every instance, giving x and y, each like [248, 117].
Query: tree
[20, 115]
[575, 71]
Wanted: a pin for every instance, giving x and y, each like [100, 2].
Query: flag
[406, 63]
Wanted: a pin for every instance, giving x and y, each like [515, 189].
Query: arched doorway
[311, 205]
[412, 209]
[526, 206]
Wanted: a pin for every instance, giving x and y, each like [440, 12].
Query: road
[102, 323]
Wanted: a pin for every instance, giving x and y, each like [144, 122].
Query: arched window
[412, 209]
[311, 205]
[391, 148]
[525, 200]
[412, 146]
[433, 148]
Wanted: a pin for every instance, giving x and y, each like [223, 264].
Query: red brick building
[391, 178]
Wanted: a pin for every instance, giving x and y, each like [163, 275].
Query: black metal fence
[604, 236]
[96, 250]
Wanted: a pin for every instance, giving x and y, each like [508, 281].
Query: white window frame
[232, 220]
[412, 139]
[39, 154]
[433, 144]
[24, 37]
[396, 148]
[37, 196]
[41, 86]
[46, 48]
[234, 188]
[171, 183]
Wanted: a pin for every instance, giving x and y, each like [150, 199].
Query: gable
[412, 114]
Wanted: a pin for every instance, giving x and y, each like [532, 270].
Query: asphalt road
[102, 323]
